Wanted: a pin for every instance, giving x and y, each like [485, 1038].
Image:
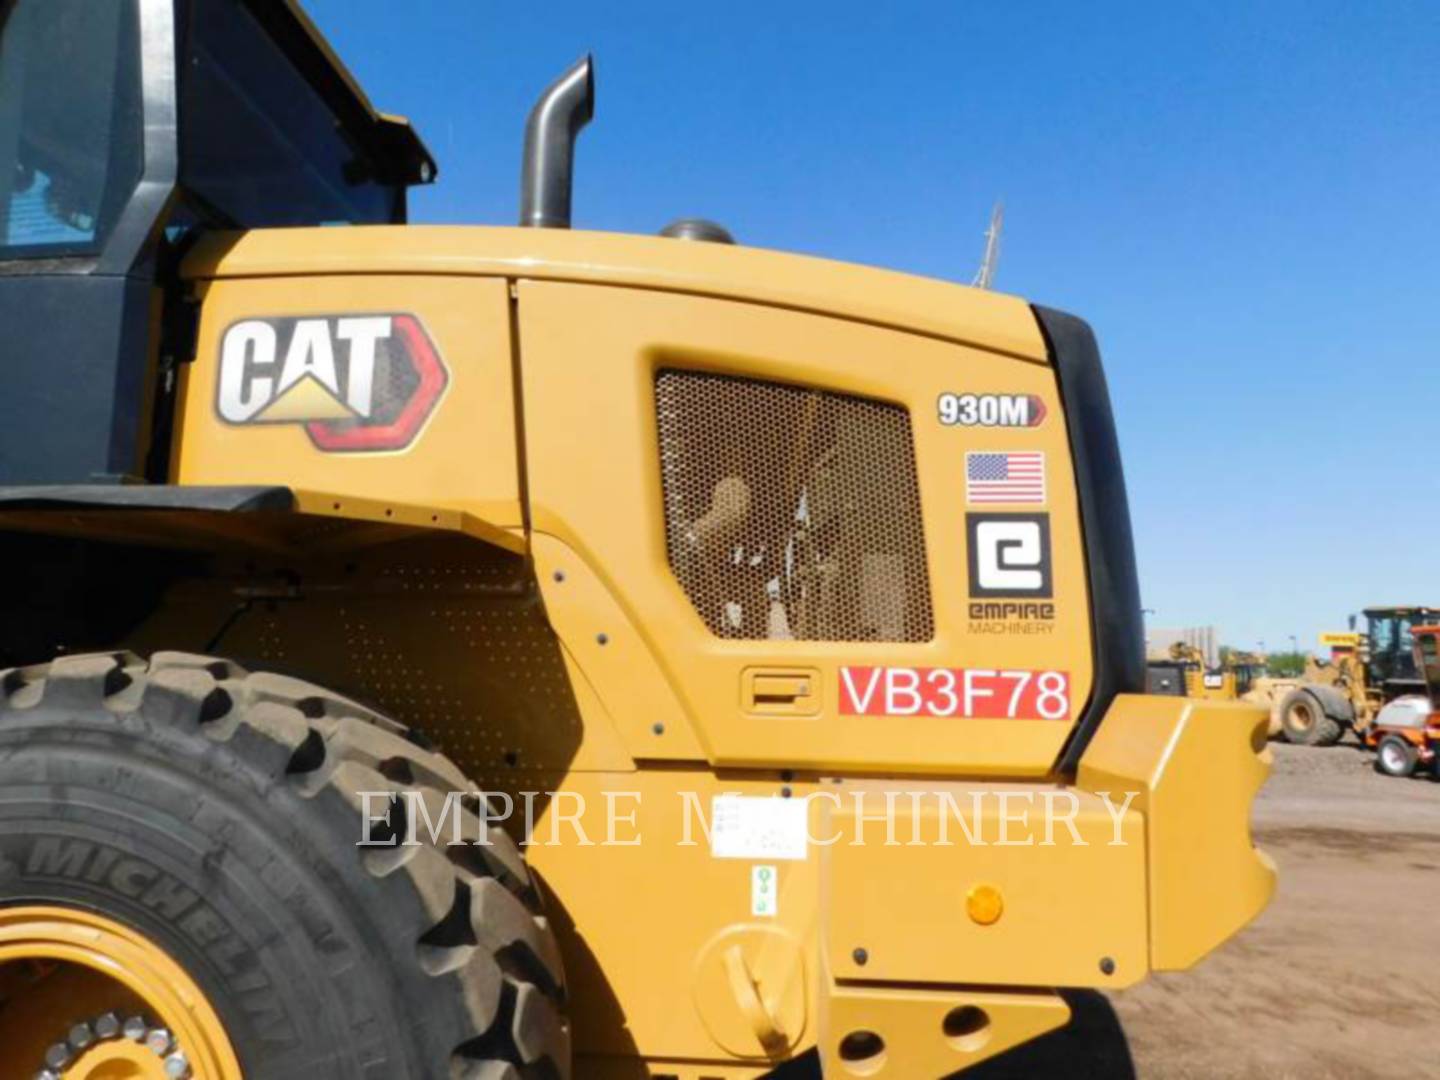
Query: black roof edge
[396, 152]
[1116, 624]
[228, 499]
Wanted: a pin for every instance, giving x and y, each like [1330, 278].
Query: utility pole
[986, 274]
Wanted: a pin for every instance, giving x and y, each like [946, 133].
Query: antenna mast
[986, 274]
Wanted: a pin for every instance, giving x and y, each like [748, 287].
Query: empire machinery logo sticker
[354, 382]
[1012, 582]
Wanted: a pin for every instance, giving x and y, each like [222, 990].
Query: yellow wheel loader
[1366, 671]
[492, 653]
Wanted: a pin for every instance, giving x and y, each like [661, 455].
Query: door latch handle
[781, 691]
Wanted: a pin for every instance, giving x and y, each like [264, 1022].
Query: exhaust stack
[546, 175]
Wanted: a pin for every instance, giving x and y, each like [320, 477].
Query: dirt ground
[1340, 977]
[1338, 980]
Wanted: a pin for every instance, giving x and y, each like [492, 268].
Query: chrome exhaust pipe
[546, 174]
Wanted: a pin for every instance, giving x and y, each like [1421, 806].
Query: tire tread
[331, 748]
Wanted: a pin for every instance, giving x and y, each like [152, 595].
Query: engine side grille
[792, 513]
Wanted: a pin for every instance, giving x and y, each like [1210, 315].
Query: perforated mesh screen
[792, 513]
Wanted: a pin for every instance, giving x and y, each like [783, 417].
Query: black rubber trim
[238, 500]
[1117, 631]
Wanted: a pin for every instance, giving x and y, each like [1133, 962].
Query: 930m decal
[991, 410]
[355, 382]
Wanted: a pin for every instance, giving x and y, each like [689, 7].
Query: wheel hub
[88, 999]
[108, 1048]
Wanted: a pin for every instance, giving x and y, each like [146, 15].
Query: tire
[1305, 722]
[1395, 756]
[217, 813]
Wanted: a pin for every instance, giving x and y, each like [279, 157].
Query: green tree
[1286, 665]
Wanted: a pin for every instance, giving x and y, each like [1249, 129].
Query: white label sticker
[764, 891]
[758, 827]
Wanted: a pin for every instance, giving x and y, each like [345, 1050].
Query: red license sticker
[968, 693]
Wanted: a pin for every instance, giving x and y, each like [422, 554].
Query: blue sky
[1241, 197]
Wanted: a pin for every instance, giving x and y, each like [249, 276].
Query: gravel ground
[1339, 979]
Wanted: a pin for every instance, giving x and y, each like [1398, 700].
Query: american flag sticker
[1015, 478]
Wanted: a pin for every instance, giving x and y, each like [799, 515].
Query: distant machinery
[1159, 642]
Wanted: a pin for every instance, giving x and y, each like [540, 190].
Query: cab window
[71, 136]
[1382, 635]
[1407, 637]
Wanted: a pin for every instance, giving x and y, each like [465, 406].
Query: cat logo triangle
[306, 400]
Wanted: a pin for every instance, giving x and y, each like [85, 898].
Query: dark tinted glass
[1382, 634]
[259, 146]
[71, 134]
[1405, 655]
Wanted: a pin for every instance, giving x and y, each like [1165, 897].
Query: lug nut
[134, 1028]
[47, 1074]
[107, 1026]
[158, 1040]
[81, 1036]
[177, 1066]
[58, 1056]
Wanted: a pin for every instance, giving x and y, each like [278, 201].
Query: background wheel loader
[502, 652]
[1366, 671]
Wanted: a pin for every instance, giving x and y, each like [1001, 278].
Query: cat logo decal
[354, 382]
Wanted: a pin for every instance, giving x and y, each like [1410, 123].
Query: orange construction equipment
[1406, 732]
